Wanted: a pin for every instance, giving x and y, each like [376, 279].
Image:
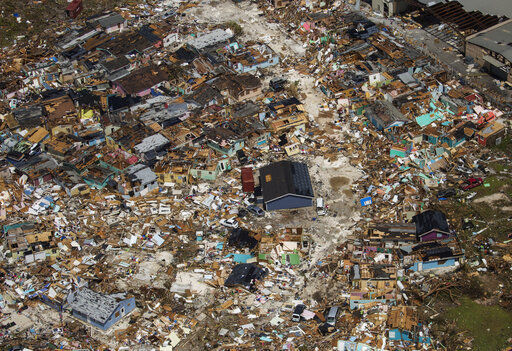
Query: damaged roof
[93, 305]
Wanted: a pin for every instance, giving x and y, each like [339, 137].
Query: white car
[231, 223]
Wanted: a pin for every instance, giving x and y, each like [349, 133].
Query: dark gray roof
[29, 116]
[245, 110]
[243, 274]
[494, 7]
[116, 64]
[285, 177]
[429, 220]
[111, 21]
[497, 38]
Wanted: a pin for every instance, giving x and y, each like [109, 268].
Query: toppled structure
[303, 181]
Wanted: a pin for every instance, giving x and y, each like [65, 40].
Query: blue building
[286, 185]
[99, 310]
[384, 116]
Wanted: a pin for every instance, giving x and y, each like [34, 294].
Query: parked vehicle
[230, 223]
[320, 207]
[296, 316]
[332, 315]
[256, 210]
[471, 183]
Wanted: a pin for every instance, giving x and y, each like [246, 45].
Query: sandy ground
[492, 199]
[255, 27]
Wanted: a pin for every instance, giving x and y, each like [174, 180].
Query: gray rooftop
[215, 37]
[143, 174]
[110, 21]
[92, 304]
[150, 143]
[493, 7]
[159, 114]
[498, 38]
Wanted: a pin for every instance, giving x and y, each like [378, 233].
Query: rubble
[160, 173]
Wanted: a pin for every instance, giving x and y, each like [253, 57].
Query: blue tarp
[366, 201]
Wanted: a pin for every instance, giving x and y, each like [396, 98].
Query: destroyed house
[255, 57]
[245, 110]
[242, 238]
[117, 161]
[117, 104]
[127, 136]
[141, 81]
[109, 22]
[185, 54]
[457, 106]
[99, 310]
[286, 185]
[76, 36]
[28, 242]
[292, 245]
[21, 152]
[39, 170]
[205, 166]
[96, 176]
[384, 116]
[244, 275]
[166, 115]
[204, 96]
[152, 147]
[80, 159]
[431, 225]
[224, 140]
[60, 114]
[371, 276]
[213, 39]
[445, 253]
[392, 234]
[90, 137]
[238, 87]
[362, 29]
[37, 135]
[55, 295]
[149, 33]
[288, 113]
[404, 325]
[458, 134]
[169, 170]
[26, 117]
[492, 134]
[138, 180]
[126, 43]
[59, 147]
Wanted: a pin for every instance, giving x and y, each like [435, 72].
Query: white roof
[151, 143]
[214, 37]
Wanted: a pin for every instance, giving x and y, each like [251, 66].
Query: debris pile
[174, 176]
